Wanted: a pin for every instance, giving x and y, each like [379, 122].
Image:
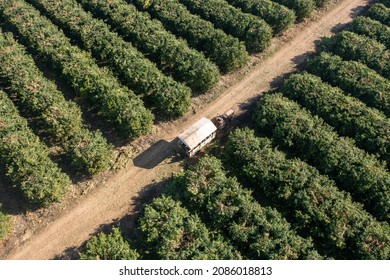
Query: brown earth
[114, 193]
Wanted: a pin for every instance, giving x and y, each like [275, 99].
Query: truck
[202, 132]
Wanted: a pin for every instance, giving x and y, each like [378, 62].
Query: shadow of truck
[157, 153]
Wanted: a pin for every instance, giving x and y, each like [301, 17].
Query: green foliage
[225, 206]
[172, 233]
[351, 46]
[5, 224]
[38, 96]
[369, 127]
[354, 78]
[136, 72]
[303, 8]
[380, 13]
[311, 201]
[372, 28]
[24, 159]
[366, 179]
[255, 32]
[89, 151]
[279, 17]
[171, 55]
[385, 2]
[224, 50]
[322, 3]
[59, 119]
[110, 246]
[117, 104]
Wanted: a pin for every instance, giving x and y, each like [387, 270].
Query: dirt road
[114, 199]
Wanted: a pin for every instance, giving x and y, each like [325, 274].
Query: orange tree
[119, 105]
[226, 207]
[302, 8]
[354, 78]
[224, 50]
[135, 71]
[253, 31]
[53, 116]
[351, 46]
[279, 17]
[361, 174]
[372, 28]
[380, 13]
[351, 117]
[111, 246]
[311, 202]
[25, 160]
[172, 233]
[171, 54]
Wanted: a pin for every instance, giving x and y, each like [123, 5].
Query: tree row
[109, 246]
[311, 202]
[172, 55]
[385, 2]
[354, 78]
[355, 171]
[170, 232]
[224, 50]
[302, 8]
[59, 119]
[351, 46]
[253, 31]
[349, 116]
[279, 17]
[380, 12]
[372, 28]
[167, 231]
[117, 104]
[25, 161]
[226, 207]
[133, 69]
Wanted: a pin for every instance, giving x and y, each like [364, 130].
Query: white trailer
[197, 136]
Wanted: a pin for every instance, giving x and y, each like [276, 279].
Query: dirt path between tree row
[115, 197]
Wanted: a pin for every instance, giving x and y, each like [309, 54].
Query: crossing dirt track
[114, 198]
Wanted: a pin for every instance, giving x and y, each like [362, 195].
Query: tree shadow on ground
[299, 65]
[355, 12]
[157, 153]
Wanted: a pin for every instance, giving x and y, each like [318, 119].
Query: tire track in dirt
[114, 199]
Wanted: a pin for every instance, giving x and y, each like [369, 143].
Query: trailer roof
[197, 132]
